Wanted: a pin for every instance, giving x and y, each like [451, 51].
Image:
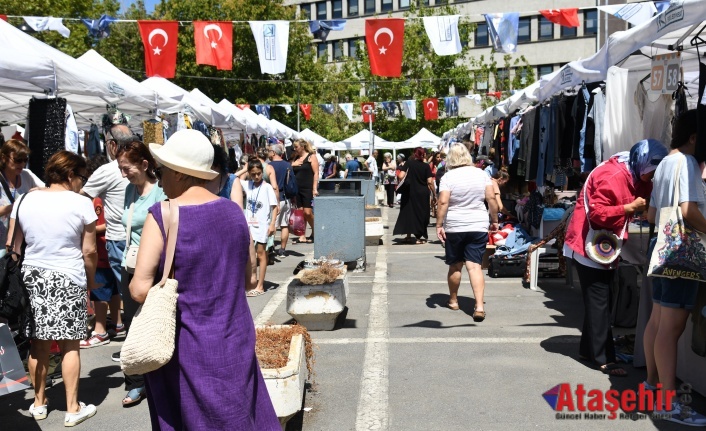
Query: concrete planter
[286, 385]
[372, 212]
[317, 307]
[374, 230]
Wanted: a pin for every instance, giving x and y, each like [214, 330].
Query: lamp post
[370, 111]
[299, 85]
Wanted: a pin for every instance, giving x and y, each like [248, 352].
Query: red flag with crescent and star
[564, 17]
[385, 40]
[160, 41]
[368, 109]
[431, 109]
[214, 43]
[306, 110]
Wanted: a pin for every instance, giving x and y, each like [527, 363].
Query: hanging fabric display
[47, 23]
[321, 29]
[443, 34]
[409, 109]
[701, 112]
[214, 43]
[306, 110]
[45, 132]
[347, 109]
[634, 13]
[390, 108]
[287, 108]
[242, 106]
[451, 106]
[385, 41]
[368, 110]
[328, 108]
[99, 28]
[263, 109]
[503, 29]
[564, 17]
[272, 39]
[152, 132]
[93, 143]
[3, 17]
[431, 109]
[71, 133]
[160, 41]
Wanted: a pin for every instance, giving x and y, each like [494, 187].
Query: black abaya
[414, 205]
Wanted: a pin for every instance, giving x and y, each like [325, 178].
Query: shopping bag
[297, 224]
[14, 378]
[680, 251]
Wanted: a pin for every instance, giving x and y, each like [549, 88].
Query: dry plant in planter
[324, 273]
[272, 346]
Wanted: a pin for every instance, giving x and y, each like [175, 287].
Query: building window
[523, 32]
[404, 4]
[322, 51]
[501, 79]
[321, 10]
[481, 37]
[425, 2]
[352, 48]
[369, 6]
[568, 32]
[481, 82]
[460, 90]
[337, 50]
[544, 69]
[352, 7]
[521, 75]
[337, 9]
[386, 5]
[590, 22]
[306, 11]
[546, 29]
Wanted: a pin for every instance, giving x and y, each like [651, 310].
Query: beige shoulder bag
[150, 341]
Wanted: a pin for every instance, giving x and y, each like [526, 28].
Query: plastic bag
[297, 224]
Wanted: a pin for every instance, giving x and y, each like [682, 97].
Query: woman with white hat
[182, 394]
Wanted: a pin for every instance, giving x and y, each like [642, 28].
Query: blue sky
[149, 4]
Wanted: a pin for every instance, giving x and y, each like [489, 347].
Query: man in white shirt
[108, 184]
[321, 161]
[371, 164]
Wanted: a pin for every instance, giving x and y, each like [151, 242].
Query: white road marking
[372, 412]
[277, 299]
[409, 282]
[458, 340]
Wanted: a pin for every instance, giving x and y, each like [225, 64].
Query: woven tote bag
[150, 341]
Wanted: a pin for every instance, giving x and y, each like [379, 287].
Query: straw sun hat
[186, 151]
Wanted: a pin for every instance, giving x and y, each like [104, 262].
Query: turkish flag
[243, 106]
[214, 43]
[566, 17]
[306, 110]
[3, 17]
[431, 109]
[368, 109]
[160, 41]
[385, 40]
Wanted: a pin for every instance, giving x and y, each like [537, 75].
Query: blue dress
[213, 381]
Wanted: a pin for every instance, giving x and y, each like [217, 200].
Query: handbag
[14, 299]
[131, 251]
[602, 245]
[150, 340]
[680, 249]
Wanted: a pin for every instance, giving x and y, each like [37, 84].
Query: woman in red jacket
[615, 191]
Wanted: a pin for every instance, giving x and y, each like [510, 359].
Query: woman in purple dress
[213, 380]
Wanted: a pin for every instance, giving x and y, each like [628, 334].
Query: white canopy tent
[320, 142]
[285, 131]
[361, 141]
[423, 138]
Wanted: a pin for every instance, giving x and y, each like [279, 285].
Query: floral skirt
[59, 306]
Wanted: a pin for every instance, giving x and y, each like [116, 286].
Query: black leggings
[390, 189]
[596, 335]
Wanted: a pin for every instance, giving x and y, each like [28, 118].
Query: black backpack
[290, 184]
[14, 299]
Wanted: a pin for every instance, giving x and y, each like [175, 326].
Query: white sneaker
[38, 413]
[682, 414]
[86, 411]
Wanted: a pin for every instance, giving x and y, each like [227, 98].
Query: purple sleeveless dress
[213, 381]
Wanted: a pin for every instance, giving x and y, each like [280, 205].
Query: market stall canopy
[189, 104]
[247, 123]
[220, 117]
[285, 132]
[423, 138]
[319, 141]
[361, 141]
[620, 45]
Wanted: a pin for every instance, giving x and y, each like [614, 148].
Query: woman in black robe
[414, 206]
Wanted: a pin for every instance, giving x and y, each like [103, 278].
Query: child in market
[260, 208]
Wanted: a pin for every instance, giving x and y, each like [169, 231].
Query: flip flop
[135, 396]
[478, 316]
[253, 293]
[453, 305]
[611, 370]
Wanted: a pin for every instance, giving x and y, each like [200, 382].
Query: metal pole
[372, 137]
[299, 84]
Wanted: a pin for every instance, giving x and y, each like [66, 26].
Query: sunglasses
[84, 180]
[19, 161]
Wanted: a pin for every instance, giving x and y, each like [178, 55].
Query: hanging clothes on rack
[622, 128]
[595, 118]
[701, 113]
[71, 133]
[152, 132]
[93, 142]
[45, 132]
[656, 114]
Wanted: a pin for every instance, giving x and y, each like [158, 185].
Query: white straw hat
[186, 151]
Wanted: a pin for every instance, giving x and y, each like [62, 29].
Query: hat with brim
[188, 152]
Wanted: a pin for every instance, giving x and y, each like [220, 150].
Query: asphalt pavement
[399, 359]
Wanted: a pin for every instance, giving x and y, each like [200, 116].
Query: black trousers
[390, 189]
[130, 307]
[596, 334]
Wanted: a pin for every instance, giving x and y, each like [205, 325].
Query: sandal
[613, 370]
[478, 316]
[420, 241]
[453, 305]
[135, 396]
[254, 292]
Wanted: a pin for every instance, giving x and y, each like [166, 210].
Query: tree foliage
[308, 80]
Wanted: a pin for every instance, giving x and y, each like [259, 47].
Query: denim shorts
[465, 247]
[673, 292]
[109, 286]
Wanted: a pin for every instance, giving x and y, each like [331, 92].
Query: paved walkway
[401, 360]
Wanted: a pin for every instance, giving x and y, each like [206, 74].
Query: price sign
[665, 73]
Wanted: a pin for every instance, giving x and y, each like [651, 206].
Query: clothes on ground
[27, 181]
[53, 225]
[467, 211]
[181, 394]
[414, 205]
[107, 183]
[259, 200]
[139, 212]
[691, 187]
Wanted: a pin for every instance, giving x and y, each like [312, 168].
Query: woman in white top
[462, 223]
[60, 258]
[15, 180]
